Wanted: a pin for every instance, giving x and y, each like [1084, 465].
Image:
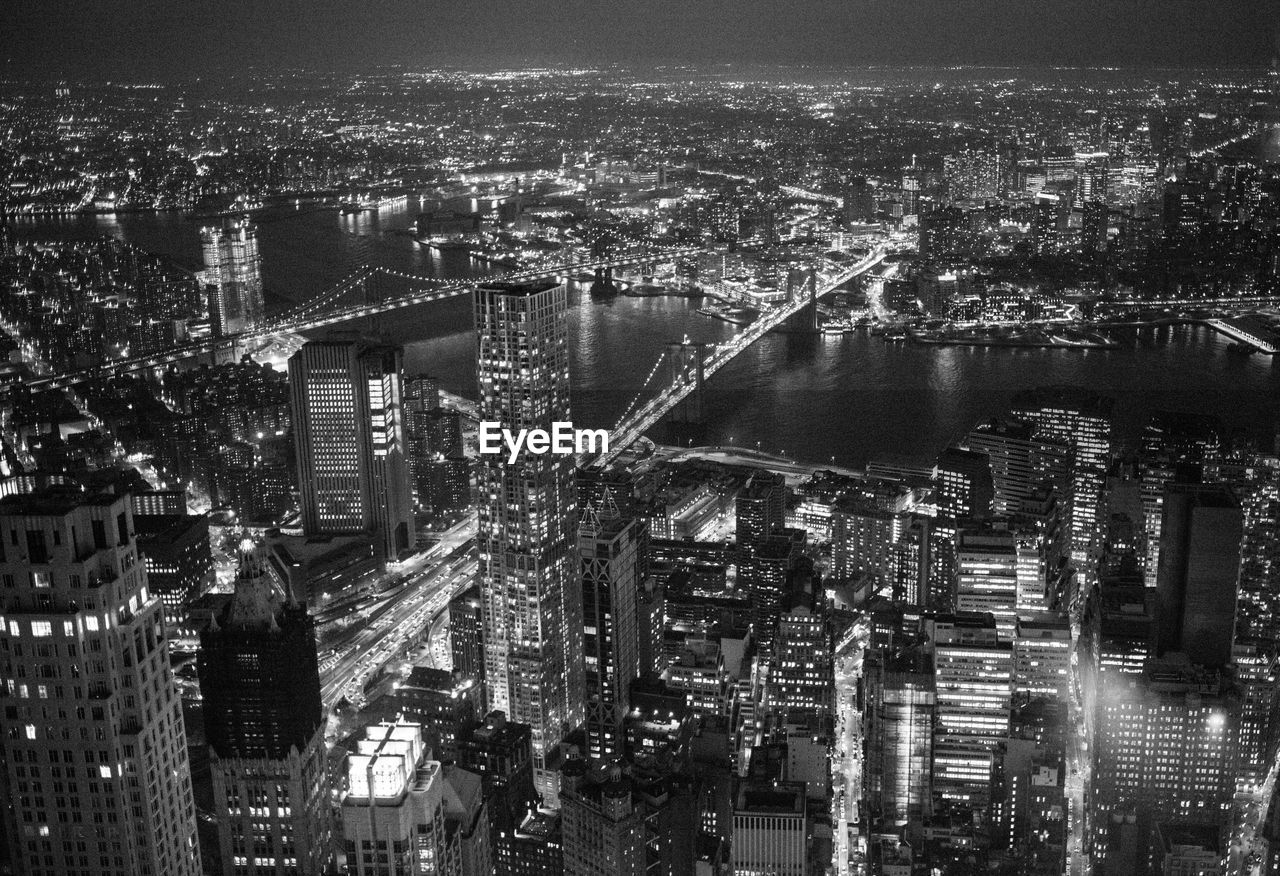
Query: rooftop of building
[54, 501]
[518, 288]
[1204, 836]
[1067, 397]
[162, 528]
[781, 798]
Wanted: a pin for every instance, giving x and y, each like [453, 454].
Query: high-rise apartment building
[349, 430]
[95, 774]
[527, 520]
[233, 276]
[264, 721]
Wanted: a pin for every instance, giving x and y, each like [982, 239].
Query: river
[845, 399]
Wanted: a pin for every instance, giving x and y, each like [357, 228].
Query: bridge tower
[803, 284]
[603, 286]
[687, 424]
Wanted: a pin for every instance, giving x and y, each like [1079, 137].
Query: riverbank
[1014, 336]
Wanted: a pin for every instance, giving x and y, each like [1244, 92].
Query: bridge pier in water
[603, 285]
[803, 285]
[687, 423]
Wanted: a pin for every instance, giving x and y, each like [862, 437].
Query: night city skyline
[650, 439]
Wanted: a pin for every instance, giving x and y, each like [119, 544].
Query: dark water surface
[850, 397]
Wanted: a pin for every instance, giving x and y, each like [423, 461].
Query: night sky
[165, 38]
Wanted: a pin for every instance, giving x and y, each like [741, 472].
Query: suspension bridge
[329, 308]
[680, 370]
[689, 365]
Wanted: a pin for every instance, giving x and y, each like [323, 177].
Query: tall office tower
[1042, 655]
[760, 508]
[1258, 607]
[1120, 623]
[421, 393]
[96, 779]
[534, 847]
[466, 821]
[1176, 447]
[763, 578]
[963, 485]
[393, 809]
[179, 559]
[1257, 676]
[466, 633]
[1091, 179]
[1020, 463]
[233, 275]
[260, 684]
[603, 830]
[349, 429]
[973, 671]
[613, 550]
[498, 751]
[901, 705]
[527, 563]
[1082, 421]
[1035, 570]
[987, 575]
[1165, 747]
[802, 678]
[908, 575]
[1201, 531]
[770, 828]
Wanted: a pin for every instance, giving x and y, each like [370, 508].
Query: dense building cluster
[292, 593]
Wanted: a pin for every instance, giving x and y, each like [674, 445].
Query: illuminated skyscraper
[528, 561]
[260, 684]
[349, 430]
[973, 671]
[393, 812]
[95, 773]
[233, 275]
[973, 174]
[1082, 421]
[964, 487]
[612, 550]
[1019, 461]
[1166, 747]
[898, 720]
[987, 575]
